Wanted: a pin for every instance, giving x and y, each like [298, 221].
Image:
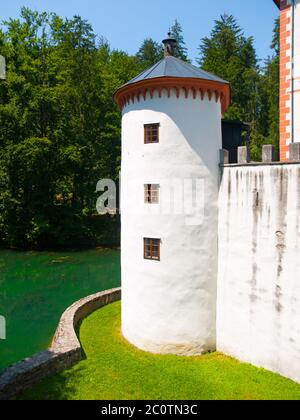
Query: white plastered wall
[258, 309]
[170, 306]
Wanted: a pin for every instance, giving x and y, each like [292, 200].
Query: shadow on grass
[77, 330]
[57, 387]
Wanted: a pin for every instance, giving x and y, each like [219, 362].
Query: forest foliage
[60, 128]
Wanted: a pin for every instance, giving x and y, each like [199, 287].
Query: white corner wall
[170, 306]
[258, 305]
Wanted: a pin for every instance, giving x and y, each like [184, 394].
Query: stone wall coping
[64, 352]
[234, 165]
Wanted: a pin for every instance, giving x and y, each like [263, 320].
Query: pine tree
[269, 93]
[177, 33]
[149, 53]
[231, 56]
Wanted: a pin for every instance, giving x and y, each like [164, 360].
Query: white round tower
[171, 137]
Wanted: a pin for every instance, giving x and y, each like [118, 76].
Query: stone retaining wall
[64, 352]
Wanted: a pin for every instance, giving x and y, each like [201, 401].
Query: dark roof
[173, 67]
[277, 2]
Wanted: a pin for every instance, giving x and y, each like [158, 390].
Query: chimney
[170, 46]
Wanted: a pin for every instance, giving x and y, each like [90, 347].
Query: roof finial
[170, 45]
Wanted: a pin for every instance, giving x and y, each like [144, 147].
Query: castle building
[209, 250]
[171, 137]
[289, 74]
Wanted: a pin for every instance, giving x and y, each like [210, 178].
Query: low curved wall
[64, 352]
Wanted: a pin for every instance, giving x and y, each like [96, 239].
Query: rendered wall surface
[258, 308]
[285, 79]
[170, 306]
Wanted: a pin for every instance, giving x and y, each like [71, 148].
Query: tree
[267, 122]
[231, 56]
[59, 132]
[177, 33]
[60, 128]
[149, 53]
[269, 90]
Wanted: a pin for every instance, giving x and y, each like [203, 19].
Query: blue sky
[125, 23]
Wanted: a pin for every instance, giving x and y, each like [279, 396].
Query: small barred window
[152, 249]
[151, 133]
[151, 193]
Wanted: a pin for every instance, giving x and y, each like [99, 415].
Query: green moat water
[36, 288]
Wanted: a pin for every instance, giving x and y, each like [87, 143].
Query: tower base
[178, 349]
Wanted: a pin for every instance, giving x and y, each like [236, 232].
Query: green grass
[113, 369]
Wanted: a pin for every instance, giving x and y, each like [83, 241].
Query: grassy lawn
[113, 369]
